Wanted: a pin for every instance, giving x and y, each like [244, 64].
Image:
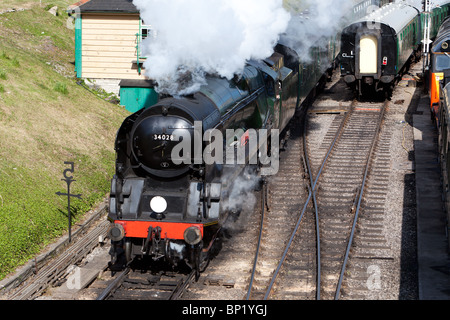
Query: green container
[137, 94]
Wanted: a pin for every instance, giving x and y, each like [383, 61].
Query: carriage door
[368, 55]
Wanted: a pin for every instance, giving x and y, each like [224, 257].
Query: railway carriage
[376, 48]
[439, 62]
[439, 12]
[444, 131]
[439, 77]
[443, 126]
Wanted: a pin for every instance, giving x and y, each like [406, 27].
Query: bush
[4, 56]
[15, 62]
[3, 75]
[61, 88]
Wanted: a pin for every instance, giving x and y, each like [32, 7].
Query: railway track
[353, 251]
[298, 258]
[138, 285]
[314, 261]
[342, 188]
[285, 193]
[56, 270]
[288, 265]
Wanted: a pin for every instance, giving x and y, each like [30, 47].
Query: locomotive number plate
[163, 137]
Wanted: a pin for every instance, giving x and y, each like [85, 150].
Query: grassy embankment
[46, 119]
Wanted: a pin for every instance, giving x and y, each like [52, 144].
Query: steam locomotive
[166, 201]
[377, 49]
[174, 209]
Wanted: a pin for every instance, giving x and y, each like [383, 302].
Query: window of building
[146, 30]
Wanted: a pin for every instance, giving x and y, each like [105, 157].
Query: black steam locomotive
[167, 200]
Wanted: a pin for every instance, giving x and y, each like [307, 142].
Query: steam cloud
[242, 198]
[198, 37]
[242, 195]
[314, 27]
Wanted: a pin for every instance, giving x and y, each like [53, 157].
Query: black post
[68, 209]
[69, 180]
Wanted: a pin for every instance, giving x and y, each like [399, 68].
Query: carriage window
[442, 62]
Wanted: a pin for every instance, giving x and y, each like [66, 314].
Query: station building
[108, 34]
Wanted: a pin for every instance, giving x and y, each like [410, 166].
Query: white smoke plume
[316, 25]
[242, 192]
[193, 38]
[241, 199]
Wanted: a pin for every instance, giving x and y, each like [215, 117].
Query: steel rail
[175, 294]
[311, 194]
[361, 193]
[258, 246]
[316, 212]
[113, 285]
[179, 290]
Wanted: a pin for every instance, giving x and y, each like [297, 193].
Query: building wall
[108, 46]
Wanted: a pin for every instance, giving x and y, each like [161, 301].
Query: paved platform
[432, 242]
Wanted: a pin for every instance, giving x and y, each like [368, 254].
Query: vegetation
[17, 4]
[46, 118]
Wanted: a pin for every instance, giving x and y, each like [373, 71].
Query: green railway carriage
[439, 12]
[377, 49]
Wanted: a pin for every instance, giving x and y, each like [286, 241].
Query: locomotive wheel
[201, 262]
[119, 255]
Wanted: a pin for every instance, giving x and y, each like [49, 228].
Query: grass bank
[46, 119]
